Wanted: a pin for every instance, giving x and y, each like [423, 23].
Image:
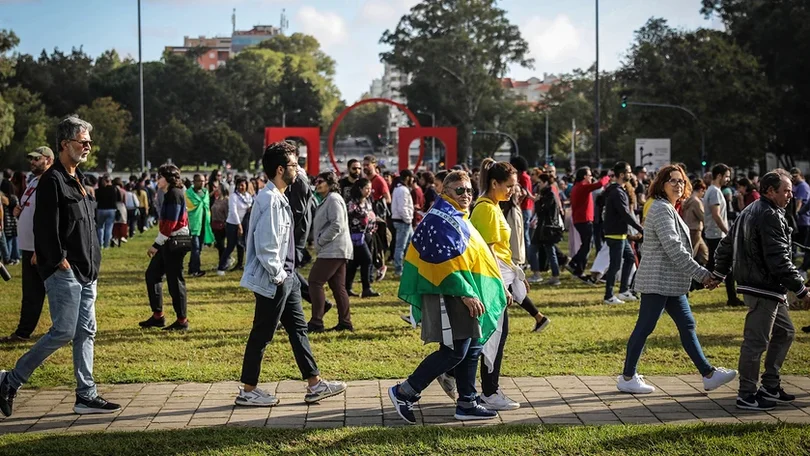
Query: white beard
[79, 158]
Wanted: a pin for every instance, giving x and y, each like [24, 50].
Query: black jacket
[549, 230]
[617, 216]
[758, 251]
[65, 225]
[302, 203]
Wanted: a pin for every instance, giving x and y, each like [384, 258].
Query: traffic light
[624, 101]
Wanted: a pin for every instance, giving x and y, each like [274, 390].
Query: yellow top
[646, 208]
[487, 217]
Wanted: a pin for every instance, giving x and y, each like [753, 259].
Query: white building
[392, 83]
[534, 90]
[376, 89]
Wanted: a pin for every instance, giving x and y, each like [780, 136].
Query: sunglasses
[462, 190]
[33, 159]
[83, 143]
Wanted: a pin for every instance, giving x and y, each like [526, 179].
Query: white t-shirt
[25, 223]
[238, 206]
[714, 197]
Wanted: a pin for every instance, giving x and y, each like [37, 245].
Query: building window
[212, 67]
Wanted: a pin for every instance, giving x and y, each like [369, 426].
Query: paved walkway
[568, 400]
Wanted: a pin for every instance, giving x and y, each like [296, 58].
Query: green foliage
[220, 141]
[174, 141]
[30, 121]
[110, 128]
[455, 51]
[6, 122]
[367, 120]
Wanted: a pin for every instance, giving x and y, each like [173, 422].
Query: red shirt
[526, 182]
[379, 188]
[582, 202]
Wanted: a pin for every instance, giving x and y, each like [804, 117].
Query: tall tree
[455, 52]
[110, 128]
[220, 142]
[174, 141]
[8, 41]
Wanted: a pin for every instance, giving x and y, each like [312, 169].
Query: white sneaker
[255, 398]
[448, 384]
[720, 377]
[627, 296]
[554, 281]
[535, 278]
[613, 300]
[220, 273]
[498, 401]
[635, 385]
[323, 390]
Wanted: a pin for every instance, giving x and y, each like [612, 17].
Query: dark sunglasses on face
[462, 190]
[319, 181]
[83, 143]
[33, 159]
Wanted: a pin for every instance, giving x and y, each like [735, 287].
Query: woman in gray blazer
[333, 246]
[663, 279]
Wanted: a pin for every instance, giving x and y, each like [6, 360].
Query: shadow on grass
[521, 439]
[619, 345]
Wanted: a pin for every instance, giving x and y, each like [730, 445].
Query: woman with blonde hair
[663, 279]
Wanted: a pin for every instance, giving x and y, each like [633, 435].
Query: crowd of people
[464, 244]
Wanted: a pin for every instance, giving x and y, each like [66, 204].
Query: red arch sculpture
[310, 135]
[447, 135]
[336, 124]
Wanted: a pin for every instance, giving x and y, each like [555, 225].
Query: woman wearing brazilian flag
[453, 284]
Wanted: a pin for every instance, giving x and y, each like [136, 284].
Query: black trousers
[33, 297]
[169, 265]
[731, 287]
[362, 260]
[489, 380]
[285, 307]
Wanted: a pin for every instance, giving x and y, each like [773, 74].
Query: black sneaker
[153, 322]
[96, 405]
[14, 338]
[474, 412]
[197, 274]
[806, 329]
[352, 294]
[327, 307]
[7, 394]
[341, 328]
[370, 293]
[755, 402]
[403, 407]
[315, 329]
[541, 325]
[777, 395]
[736, 302]
[177, 326]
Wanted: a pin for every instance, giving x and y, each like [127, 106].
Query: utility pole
[573, 144]
[597, 132]
[547, 136]
[140, 85]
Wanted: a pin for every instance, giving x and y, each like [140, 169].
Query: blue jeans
[551, 254]
[13, 249]
[620, 255]
[194, 260]
[104, 225]
[404, 233]
[650, 311]
[73, 312]
[462, 361]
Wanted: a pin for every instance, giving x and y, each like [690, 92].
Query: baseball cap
[42, 152]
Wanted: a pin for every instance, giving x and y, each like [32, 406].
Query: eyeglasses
[319, 181]
[674, 182]
[88, 144]
[33, 159]
[462, 190]
[291, 165]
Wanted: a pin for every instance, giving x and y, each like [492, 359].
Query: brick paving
[566, 400]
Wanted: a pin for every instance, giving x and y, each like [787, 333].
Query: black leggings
[169, 265]
[362, 260]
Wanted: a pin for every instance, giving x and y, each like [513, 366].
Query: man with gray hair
[758, 252]
[68, 259]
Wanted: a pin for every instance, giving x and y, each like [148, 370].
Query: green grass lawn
[585, 337]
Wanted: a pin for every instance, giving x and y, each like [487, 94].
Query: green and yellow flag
[448, 256]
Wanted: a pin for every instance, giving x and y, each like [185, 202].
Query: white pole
[547, 136]
[573, 144]
[140, 85]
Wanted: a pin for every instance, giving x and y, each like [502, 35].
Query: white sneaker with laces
[323, 390]
[448, 384]
[720, 377]
[256, 398]
[627, 296]
[220, 273]
[498, 401]
[613, 300]
[535, 278]
[636, 385]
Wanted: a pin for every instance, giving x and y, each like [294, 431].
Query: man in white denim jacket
[269, 274]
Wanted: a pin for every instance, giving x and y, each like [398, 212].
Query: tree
[455, 52]
[31, 125]
[8, 41]
[62, 80]
[173, 141]
[706, 72]
[220, 142]
[110, 128]
[369, 120]
[776, 33]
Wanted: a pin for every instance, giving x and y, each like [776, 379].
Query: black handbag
[179, 244]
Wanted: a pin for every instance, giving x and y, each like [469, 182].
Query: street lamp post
[140, 87]
[510, 137]
[546, 137]
[284, 117]
[597, 129]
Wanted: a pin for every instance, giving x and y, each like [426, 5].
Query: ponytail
[490, 169]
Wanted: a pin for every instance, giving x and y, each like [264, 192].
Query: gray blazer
[331, 229]
[667, 267]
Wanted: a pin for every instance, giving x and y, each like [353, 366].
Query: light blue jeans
[404, 233]
[73, 312]
[104, 225]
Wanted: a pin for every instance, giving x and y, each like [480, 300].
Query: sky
[561, 34]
